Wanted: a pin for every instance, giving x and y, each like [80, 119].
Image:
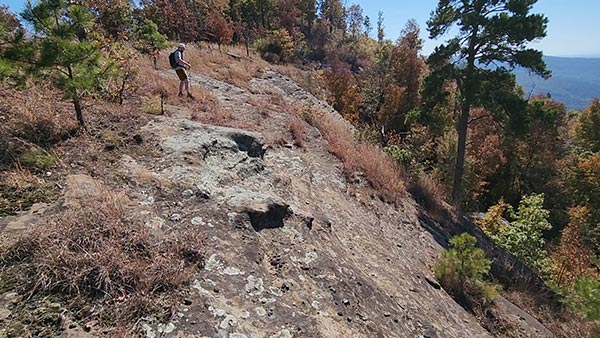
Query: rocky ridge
[290, 252]
[294, 248]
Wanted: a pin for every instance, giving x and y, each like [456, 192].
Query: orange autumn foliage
[346, 96]
[572, 259]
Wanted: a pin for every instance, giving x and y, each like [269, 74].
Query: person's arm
[181, 61]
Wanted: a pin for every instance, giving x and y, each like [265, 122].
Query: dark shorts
[182, 74]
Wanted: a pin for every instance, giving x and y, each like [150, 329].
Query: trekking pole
[190, 82]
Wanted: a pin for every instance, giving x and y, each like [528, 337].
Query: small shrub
[153, 106]
[277, 47]
[402, 155]
[461, 270]
[586, 297]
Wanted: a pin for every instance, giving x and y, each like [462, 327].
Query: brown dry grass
[429, 193]
[97, 255]
[380, 169]
[308, 79]
[298, 129]
[262, 104]
[32, 119]
[559, 321]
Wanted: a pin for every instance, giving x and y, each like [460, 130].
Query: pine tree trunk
[78, 110]
[459, 167]
[468, 92]
[76, 101]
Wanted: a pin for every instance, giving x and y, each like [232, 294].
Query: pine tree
[11, 35]
[150, 41]
[63, 51]
[491, 39]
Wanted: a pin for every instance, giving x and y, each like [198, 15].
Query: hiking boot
[190, 96]
[180, 94]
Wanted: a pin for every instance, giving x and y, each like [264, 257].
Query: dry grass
[32, 121]
[262, 104]
[20, 189]
[36, 115]
[298, 129]
[308, 79]
[558, 320]
[431, 195]
[380, 169]
[96, 254]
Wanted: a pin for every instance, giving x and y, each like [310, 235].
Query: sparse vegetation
[297, 128]
[96, 254]
[379, 168]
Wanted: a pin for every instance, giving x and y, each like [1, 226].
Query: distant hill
[574, 81]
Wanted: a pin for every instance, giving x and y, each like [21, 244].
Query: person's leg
[182, 78]
[187, 86]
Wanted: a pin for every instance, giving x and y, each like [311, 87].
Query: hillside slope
[574, 81]
[318, 262]
[293, 247]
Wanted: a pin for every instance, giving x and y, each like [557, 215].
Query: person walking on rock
[180, 66]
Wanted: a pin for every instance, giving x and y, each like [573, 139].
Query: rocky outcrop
[291, 253]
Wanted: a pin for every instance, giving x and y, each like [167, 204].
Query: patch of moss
[38, 159]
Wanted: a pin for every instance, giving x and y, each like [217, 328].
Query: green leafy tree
[587, 128]
[150, 41]
[491, 39]
[524, 235]
[64, 52]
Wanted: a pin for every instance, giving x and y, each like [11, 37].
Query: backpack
[173, 61]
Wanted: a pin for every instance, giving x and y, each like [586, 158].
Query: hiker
[180, 65]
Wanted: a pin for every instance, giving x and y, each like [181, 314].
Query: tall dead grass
[35, 115]
[379, 168]
[96, 254]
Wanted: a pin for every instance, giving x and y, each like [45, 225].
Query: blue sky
[573, 26]
[572, 31]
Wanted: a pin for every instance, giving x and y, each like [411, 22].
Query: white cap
[181, 45]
